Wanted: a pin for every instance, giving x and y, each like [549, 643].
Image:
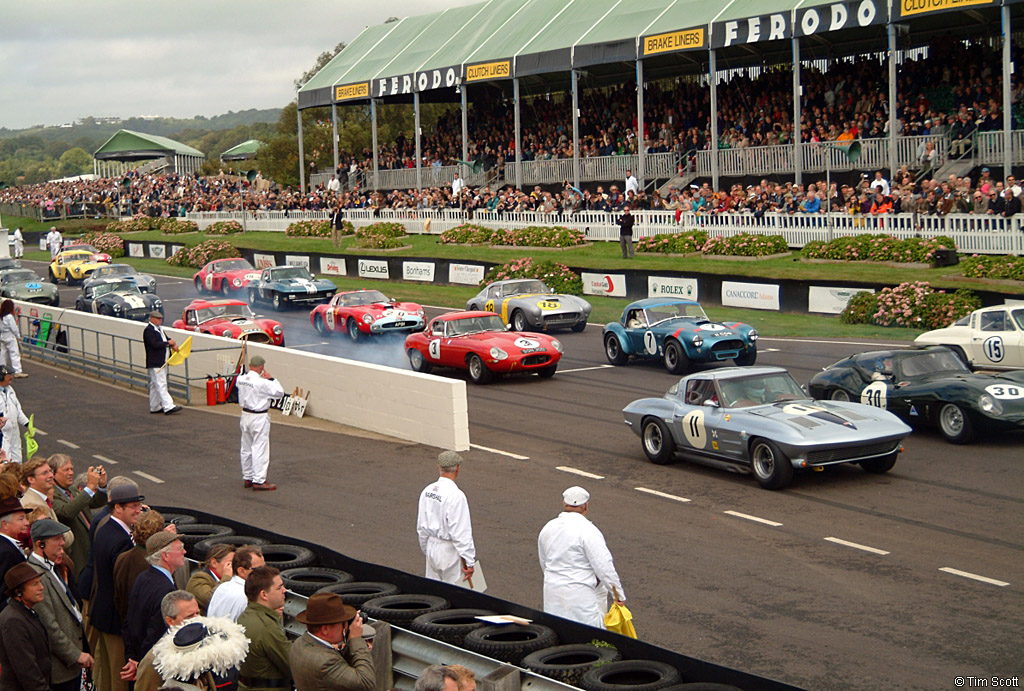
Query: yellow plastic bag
[31, 445]
[620, 620]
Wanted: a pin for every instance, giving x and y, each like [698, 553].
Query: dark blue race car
[290, 285]
[677, 332]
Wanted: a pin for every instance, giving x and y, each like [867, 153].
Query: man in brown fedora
[24, 651]
[332, 655]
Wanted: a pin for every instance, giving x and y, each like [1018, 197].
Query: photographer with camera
[332, 654]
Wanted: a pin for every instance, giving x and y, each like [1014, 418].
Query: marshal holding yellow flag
[179, 356]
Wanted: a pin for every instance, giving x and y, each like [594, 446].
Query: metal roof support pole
[892, 101]
[713, 69]
[334, 123]
[1007, 106]
[302, 153]
[575, 130]
[373, 132]
[519, 135]
[463, 88]
[641, 142]
[798, 158]
[419, 157]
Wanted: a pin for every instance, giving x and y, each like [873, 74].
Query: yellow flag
[180, 355]
[620, 620]
[31, 445]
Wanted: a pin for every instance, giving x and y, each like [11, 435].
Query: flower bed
[1007, 267]
[380, 242]
[673, 243]
[878, 248]
[205, 251]
[178, 226]
[105, 242]
[559, 277]
[467, 234]
[910, 304]
[745, 245]
[532, 236]
[392, 230]
[224, 228]
[317, 229]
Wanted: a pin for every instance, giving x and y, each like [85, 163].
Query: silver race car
[759, 420]
[529, 305]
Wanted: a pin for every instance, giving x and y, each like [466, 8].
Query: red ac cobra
[231, 319]
[366, 312]
[480, 343]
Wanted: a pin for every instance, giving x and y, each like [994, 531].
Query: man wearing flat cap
[257, 390]
[24, 651]
[58, 611]
[144, 623]
[332, 655]
[579, 573]
[443, 524]
[157, 343]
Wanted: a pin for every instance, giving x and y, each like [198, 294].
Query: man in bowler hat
[332, 654]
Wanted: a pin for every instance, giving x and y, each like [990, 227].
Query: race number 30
[874, 394]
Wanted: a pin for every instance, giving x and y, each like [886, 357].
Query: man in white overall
[13, 416]
[256, 391]
[443, 524]
[579, 572]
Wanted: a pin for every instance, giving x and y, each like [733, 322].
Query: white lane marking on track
[854, 545]
[443, 309]
[111, 461]
[151, 478]
[308, 345]
[770, 350]
[68, 444]
[576, 471]
[500, 452]
[875, 344]
[661, 494]
[584, 369]
[748, 517]
[974, 576]
[40, 432]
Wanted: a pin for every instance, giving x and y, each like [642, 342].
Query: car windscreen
[931, 362]
[115, 270]
[223, 312]
[461, 327]
[759, 390]
[674, 310]
[366, 297]
[290, 272]
[232, 265]
[1018, 317]
[115, 286]
[524, 288]
[20, 276]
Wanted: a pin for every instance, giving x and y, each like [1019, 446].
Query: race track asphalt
[833, 583]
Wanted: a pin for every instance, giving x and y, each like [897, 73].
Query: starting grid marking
[663, 495]
[974, 576]
[68, 444]
[499, 452]
[748, 517]
[584, 369]
[854, 545]
[98, 457]
[147, 476]
[577, 471]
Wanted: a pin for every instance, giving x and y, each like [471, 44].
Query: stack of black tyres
[449, 625]
[510, 642]
[307, 580]
[356, 593]
[286, 557]
[194, 533]
[635, 675]
[400, 610]
[568, 663]
[178, 518]
[202, 548]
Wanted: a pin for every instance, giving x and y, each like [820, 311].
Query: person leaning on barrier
[437, 678]
[332, 655]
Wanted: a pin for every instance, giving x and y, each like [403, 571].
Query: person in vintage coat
[73, 506]
[332, 655]
[24, 652]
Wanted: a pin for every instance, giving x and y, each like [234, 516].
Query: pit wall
[422, 408]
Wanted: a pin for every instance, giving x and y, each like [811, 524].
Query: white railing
[988, 147]
[592, 169]
[972, 234]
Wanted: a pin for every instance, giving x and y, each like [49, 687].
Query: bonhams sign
[810, 21]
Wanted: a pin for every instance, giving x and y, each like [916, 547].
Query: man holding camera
[332, 654]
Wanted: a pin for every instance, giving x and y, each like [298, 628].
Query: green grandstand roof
[246, 149]
[126, 145]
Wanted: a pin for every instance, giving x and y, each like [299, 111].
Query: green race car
[27, 286]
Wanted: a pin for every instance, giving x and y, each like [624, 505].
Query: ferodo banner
[759, 296]
[392, 86]
[488, 71]
[841, 15]
[674, 41]
[913, 8]
[444, 78]
[768, 27]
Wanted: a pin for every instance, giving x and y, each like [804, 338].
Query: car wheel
[278, 302]
[478, 371]
[580, 326]
[839, 395]
[199, 285]
[106, 311]
[769, 465]
[519, 321]
[225, 288]
[318, 324]
[353, 329]
[747, 359]
[955, 424]
[676, 361]
[418, 362]
[882, 464]
[56, 300]
[252, 297]
[657, 441]
[53, 276]
[547, 372]
[613, 350]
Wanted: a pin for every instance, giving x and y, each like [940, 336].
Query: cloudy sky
[64, 60]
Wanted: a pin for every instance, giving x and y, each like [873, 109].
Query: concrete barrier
[419, 407]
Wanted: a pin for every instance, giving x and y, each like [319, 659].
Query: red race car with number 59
[480, 343]
[362, 313]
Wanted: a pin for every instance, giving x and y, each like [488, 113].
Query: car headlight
[229, 334]
[237, 282]
[420, 313]
[367, 319]
[498, 354]
[158, 305]
[990, 405]
[278, 329]
[556, 344]
[698, 341]
[753, 335]
[117, 307]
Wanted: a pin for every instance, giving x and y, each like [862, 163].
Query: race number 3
[434, 348]
[693, 429]
[993, 348]
[874, 394]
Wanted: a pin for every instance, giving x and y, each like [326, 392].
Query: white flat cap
[575, 496]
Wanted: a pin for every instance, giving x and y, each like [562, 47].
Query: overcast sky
[64, 60]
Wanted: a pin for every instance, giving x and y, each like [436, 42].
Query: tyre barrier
[284, 557]
[568, 663]
[400, 610]
[634, 675]
[193, 533]
[307, 580]
[358, 592]
[178, 518]
[510, 642]
[703, 686]
[202, 548]
[449, 625]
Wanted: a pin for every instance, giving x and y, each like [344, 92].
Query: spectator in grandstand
[24, 650]
[880, 184]
[1011, 204]
[961, 134]
[134, 562]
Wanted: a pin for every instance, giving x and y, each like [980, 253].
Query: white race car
[987, 337]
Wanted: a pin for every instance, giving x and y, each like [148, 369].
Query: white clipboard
[476, 582]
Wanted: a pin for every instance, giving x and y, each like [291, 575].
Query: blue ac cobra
[679, 333]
